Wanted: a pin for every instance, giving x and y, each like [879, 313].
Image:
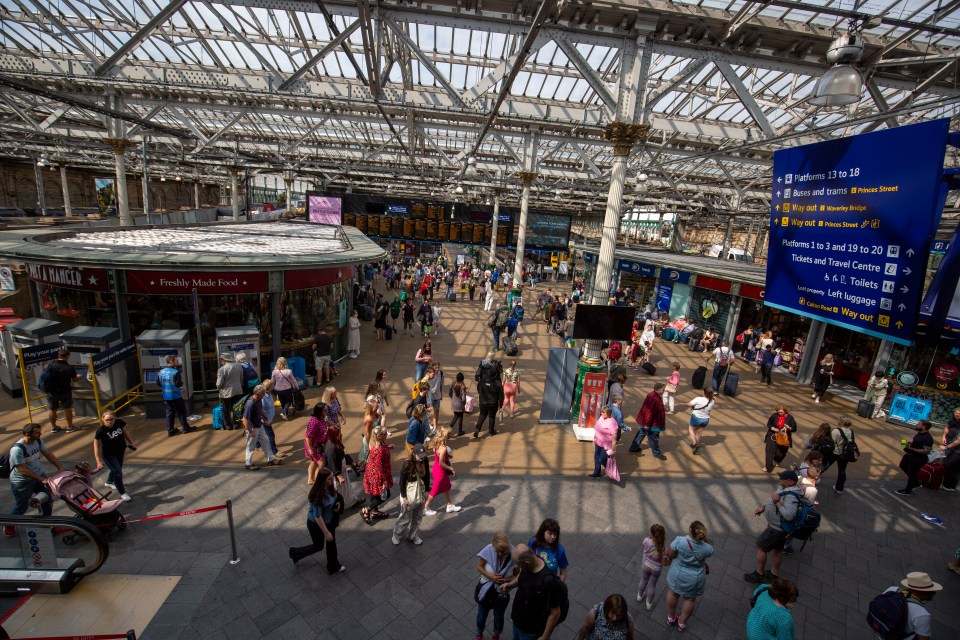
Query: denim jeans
[115, 465]
[21, 496]
[599, 458]
[519, 634]
[421, 371]
[718, 375]
[499, 608]
[496, 339]
[642, 433]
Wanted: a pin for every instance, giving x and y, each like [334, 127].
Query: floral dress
[334, 411]
[313, 439]
[378, 471]
[603, 630]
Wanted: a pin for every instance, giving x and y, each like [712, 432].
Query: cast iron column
[235, 192]
[120, 146]
[493, 228]
[527, 177]
[41, 200]
[67, 209]
[146, 177]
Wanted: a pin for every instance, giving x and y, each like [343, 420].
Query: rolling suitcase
[649, 368]
[388, 334]
[699, 377]
[730, 384]
[452, 296]
[509, 346]
[218, 417]
[931, 475]
[865, 409]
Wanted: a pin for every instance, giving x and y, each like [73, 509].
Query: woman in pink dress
[442, 471]
[313, 441]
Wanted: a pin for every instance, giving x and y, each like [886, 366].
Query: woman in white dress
[353, 337]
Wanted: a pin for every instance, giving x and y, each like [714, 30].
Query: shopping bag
[612, 471]
[470, 405]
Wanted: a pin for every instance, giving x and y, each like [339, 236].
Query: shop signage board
[40, 353]
[908, 411]
[752, 291]
[851, 224]
[714, 284]
[674, 275]
[85, 278]
[114, 355]
[664, 294]
[7, 281]
[182, 283]
[638, 268]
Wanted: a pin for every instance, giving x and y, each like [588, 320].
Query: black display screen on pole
[599, 322]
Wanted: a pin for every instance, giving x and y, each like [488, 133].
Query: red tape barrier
[114, 636]
[177, 515]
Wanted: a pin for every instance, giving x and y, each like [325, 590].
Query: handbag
[470, 405]
[416, 494]
[299, 402]
[612, 471]
[781, 439]
[670, 388]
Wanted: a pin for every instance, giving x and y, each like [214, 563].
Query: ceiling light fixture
[841, 84]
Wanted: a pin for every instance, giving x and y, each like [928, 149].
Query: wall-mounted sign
[674, 275]
[7, 282]
[86, 278]
[850, 227]
[664, 294]
[179, 282]
[638, 268]
[309, 278]
[907, 379]
[939, 246]
[714, 284]
[752, 291]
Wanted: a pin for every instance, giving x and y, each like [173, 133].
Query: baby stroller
[87, 503]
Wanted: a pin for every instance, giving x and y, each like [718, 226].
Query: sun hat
[920, 581]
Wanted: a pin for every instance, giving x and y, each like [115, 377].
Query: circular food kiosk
[287, 279]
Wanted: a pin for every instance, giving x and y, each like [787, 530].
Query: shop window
[853, 352]
[76, 308]
[928, 371]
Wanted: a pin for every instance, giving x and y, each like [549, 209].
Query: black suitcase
[365, 312]
[388, 334]
[649, 368]
[865, 409]
[509, 346]
[699, 377]
[730, 384]
[692, 344]
[452, 296]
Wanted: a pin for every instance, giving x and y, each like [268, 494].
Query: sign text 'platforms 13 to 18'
[850, 227]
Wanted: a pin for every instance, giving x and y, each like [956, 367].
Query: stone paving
[870, 538]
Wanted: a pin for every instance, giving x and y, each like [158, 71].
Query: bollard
[235, 559]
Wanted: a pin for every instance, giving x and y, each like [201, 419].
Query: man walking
[721, 356]
[229, 388]
[488, 293]
[915, 456]
[322, 349]
[489, 378]
[652, 420]
[536, 607]
[253, 427]
[170, 382]
[59, 375]
[781, 507]
[500, 320]
[27, 479]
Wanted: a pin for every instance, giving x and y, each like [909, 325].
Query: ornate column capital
[119, 145]
[624, 136]
[288, 182]
[527, 177]
[234, 171]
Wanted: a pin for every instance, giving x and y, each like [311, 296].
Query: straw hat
[920, 581]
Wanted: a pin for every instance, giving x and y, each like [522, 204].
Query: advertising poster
[324, 209]
[591, 399]
[851, 224]
[106, 196]
[664, 294]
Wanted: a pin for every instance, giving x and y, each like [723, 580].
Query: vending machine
[84, 342]
[154, 346]
[35, 332]
[238, 340]
[9, 369]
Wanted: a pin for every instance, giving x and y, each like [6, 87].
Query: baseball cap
[789, 475]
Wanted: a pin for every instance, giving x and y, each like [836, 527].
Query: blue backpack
[804, 524]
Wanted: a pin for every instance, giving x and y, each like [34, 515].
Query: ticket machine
[84, 342]
[9, 370]
[34, 332]
[154, 346]
[238, 340]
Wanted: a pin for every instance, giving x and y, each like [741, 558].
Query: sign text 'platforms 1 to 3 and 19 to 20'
[850, 227]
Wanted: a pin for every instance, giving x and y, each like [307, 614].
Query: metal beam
[166, 11]
[488, 81]
[691, 69]
[320, 55]
[23, 115]
[209, 141]
[746, 98]
[228, 24]
[423, 58]
[589, 73]
[66, 32]
[53, 117]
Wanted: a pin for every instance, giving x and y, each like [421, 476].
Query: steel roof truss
[589, 73]
[746, 98]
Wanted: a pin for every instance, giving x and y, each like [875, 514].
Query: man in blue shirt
[27, 477]
[170, 382]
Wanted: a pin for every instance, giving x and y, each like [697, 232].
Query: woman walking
[823, 378]
[770, 617]
[334, 409]
[654, 557]
[324, 506]
[353, 335]
[687, 577]
[284, 384]
[876, 392]
[109, 444]
[313, 440]
[700, 409]
[670, 389]
[377, 477]
[336, 460]
[511, 387]
[608, 620]
[458, 403]
[381, 393]
[546, 545]
[765, 364]
[779, 437]
[604, 440]
[496, 567]
[414, 486]
[422, 360]
[370, 420]
[442, 472]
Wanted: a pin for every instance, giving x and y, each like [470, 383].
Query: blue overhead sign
[664, 294]
[939, 246]
[851, 222]
[674, 275]
[639, 268]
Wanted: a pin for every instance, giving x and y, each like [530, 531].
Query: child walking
[670, 390]
[654, 557]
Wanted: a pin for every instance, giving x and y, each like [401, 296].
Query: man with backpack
[845, 450]
[27, 478]
[497, 323]
[56, 379]
[229, 388]
[722, 356]
[899, 613]
[780, 511]
[489, 378]
[537, 604]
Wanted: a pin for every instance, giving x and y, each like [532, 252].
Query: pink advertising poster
[323, 209]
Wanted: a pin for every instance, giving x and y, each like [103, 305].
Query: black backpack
[887, 615]
[849, 451]
[5, 467]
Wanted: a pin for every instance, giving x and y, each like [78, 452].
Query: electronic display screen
[600, 322]
[323, 209]
[151, 376]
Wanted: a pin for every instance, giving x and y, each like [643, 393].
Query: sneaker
[176, 432]
[416, 540]
[754, 577]
[72, 429]
[284, 416]
[837, 490]
[639, 597]
[10, 532]
[649, 605]
[57, 430]
[902, 492]
[126, 497]
[671, 620]
[251, 467]
[275, 463]
[189, 429]
[661, 457]
[110, 484]
[284, 454]
[429, 512]
[788, 550]
[341, 569]
[453, 508]
[949, 489]
[394, 539]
